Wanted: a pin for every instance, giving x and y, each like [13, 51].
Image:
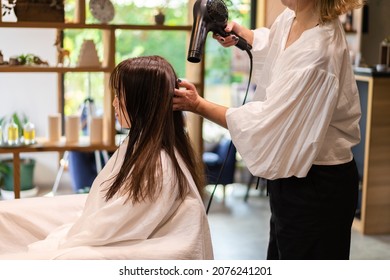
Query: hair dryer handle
[242, 44]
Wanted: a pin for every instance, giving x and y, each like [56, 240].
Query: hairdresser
[299, 129]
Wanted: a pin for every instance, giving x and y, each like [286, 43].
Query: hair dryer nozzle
[194, 56]
[199, 31]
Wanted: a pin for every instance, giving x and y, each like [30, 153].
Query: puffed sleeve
[260, 49]
[282, 136]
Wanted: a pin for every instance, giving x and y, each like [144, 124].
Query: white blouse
[306, 107]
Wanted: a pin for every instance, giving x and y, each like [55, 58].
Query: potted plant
[159, 17]
[27, 166]
[3, 170]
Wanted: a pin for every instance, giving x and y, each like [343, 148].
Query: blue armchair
[214, 160]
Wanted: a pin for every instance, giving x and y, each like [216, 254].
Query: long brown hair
[146, 84]
[331, 9]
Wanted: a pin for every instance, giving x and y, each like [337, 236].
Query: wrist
[200, 107]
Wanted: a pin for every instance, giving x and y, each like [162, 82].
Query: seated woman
[146, 202]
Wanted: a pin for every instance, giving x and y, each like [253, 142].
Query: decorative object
[27, 59]
[72, 128]
[96, 130]
[62, 54]
[159, 17]
[54, 128]
[13, 60]
[102, 10]
[88, 56]
[42, 10]
[8, 11]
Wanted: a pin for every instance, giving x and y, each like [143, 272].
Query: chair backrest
[227, 155]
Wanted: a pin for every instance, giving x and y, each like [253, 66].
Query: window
[226, 71]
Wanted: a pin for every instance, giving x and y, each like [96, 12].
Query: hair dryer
[209, 15]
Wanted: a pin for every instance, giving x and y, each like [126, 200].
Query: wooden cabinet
[373, 154]
[194, 74]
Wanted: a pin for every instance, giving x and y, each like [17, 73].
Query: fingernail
[222, 40]
[179, 81]
[235, 38]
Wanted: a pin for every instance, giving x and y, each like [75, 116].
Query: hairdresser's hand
[186, 98]
[232, 40]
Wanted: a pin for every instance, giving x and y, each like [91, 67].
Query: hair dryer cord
[231, 143]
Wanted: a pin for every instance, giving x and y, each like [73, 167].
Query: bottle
[29, 133]
[384, 53]
[13, 133]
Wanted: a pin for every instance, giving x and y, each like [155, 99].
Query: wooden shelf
[372, 155]
[43, 145]
[48, 69]
[59, 25]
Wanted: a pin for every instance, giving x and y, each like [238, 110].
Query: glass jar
[13, 133]
[29, 133]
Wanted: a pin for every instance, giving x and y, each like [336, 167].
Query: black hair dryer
[209, 15]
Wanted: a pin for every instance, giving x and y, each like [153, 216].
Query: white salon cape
[88, 227]
[306, 106]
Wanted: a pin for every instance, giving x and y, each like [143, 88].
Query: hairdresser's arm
[187, 99]
[231, 40]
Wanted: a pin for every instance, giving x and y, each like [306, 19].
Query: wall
[34, 94]
[378, 29]
[273, 9]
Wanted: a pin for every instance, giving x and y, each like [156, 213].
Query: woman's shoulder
[283, 17]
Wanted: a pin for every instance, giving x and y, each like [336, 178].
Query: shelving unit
[372, 154]
[194, 73]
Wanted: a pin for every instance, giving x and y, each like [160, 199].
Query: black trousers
[311, 217]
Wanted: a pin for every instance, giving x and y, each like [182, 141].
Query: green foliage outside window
[131, 43]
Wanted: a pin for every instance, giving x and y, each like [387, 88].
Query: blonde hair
[331, 9]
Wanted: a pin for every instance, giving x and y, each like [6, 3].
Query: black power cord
[231, 142]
